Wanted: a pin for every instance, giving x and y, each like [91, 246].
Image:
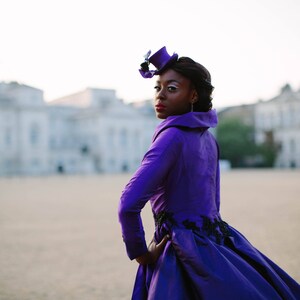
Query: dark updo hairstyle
[200, 78]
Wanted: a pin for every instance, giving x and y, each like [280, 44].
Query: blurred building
[91, 131]
[278, 121]
[23, 130]
[243, 112]
[275, 121]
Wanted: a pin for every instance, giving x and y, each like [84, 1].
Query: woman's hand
[154, 251]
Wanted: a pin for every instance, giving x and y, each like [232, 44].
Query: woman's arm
[154, 169]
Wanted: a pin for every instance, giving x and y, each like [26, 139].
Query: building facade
[93, 131]
[275, 121]
[278, 120]
[88, 132]
[24, 130]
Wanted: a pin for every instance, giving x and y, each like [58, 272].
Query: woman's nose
[161, 94]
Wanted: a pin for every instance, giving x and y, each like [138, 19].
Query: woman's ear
[194, 96]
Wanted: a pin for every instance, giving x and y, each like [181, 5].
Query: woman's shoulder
[172, 132]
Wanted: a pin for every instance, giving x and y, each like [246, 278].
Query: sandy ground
[60, 238]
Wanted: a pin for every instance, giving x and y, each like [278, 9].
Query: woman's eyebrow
[169, 81]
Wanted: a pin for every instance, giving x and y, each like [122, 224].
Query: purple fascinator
[160, 60]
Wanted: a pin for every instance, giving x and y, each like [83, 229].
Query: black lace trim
[162, 217]
[190, 225]
[218, 228]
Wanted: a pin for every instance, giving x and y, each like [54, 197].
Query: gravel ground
[60, 238]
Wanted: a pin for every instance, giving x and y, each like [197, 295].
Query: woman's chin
[160, 115]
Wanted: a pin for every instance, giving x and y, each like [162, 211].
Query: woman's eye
[172, 88]
[157, 88]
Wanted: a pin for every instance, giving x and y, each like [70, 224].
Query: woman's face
[173, 94]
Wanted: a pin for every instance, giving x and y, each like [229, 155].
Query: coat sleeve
[154, 169]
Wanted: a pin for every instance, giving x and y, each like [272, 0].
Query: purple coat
[180, 167]
[205, 257]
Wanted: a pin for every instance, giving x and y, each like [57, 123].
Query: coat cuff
[135, 249]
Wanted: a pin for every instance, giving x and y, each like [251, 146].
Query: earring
[192, 106]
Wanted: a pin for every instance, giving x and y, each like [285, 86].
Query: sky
[250, 47]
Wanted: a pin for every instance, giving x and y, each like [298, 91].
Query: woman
[194, 254]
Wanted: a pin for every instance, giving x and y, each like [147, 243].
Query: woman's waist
[178, 218]
[210, 224]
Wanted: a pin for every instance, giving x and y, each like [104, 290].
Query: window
[8, 137]
[123, 137]
[110, 137]
[34, 134]
[292, 146]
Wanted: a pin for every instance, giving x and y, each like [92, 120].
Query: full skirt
[197, 266]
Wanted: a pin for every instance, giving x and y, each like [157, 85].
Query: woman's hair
[200, 78]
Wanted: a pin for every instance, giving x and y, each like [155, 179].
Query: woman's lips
[159, 107]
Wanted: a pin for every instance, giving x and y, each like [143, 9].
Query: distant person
[194, 254]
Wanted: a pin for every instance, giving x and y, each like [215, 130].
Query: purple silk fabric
[179, 175]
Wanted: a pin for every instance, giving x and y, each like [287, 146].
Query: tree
[268, 150]
[236, 141]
